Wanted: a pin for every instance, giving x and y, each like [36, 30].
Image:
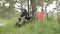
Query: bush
[58, 20]
[51, 18]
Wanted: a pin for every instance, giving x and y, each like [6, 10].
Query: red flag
[40, 15]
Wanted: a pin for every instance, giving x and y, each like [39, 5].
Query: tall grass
[33, 27]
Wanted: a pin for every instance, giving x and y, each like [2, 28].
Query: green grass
[34, 27]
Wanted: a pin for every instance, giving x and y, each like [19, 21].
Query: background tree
[58, 10]
[33, 4]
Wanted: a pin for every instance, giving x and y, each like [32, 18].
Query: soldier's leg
[22, 20]
[18, 21]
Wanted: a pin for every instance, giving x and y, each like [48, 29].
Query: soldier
[23, 17]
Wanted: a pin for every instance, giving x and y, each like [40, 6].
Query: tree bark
[21, 5]
[33, 4]
[46, 14]
[28, 6]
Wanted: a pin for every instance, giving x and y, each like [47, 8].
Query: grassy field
[34, 27]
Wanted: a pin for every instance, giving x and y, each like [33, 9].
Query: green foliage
[10, 1]
[51, 18]
[23, 1]
[39, 2]
[7, 12]
[58, 20]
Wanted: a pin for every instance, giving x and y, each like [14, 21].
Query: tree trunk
[46, 14]
[42, 4]
[57, 7]
[33, 4]
[21, 6]
[58, 13]
[28, 6]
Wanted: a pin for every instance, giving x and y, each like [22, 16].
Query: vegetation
[9, 15]
[34, 27]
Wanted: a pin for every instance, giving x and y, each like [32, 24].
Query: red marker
[40, 15]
